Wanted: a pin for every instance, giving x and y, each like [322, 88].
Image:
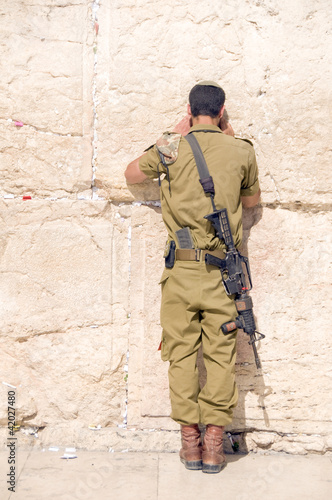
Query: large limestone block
[267, 57]
[42, 165]
[56, 254]
[291, 265]
[64, 304]
[44, 83]
[110, 439]
[148, 384]
[47, 72]
[65, 377]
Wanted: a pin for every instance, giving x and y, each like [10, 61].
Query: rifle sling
[204, 175]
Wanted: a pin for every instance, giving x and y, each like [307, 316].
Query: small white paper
[9, 385]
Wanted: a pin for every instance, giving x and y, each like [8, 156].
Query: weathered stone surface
[46, 69]
[46, 73]
[64, 292]
[290, 252]
[55, 253]
[39, 164]
[94, 84]
[291, 267]
[148, 384]
[267, 55]
[66, 377]
[71, 433]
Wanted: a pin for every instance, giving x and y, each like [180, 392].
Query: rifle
[234, 280]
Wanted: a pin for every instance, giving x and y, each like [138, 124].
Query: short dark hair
[206, 100]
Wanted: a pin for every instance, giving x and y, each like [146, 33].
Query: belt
[196, 254]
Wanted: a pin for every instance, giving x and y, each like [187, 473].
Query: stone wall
[85, 88]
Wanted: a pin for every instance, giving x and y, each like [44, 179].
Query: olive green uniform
[194, 302]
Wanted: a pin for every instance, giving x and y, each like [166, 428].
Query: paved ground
[160, 476]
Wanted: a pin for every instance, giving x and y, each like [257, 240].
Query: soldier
[194, 303]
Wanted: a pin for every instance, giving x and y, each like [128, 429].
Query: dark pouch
[170, 255]
[184, 238]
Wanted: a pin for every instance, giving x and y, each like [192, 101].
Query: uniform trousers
[193, 307]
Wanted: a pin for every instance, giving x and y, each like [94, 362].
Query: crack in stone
[298, 206]
[280, 433]
[41, 131]
[59, 331]
[95, 8]
[52, 39]
[275, 186]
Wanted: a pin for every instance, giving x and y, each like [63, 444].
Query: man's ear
[221, 112]
[189, 110]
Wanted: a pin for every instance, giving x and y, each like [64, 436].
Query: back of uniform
[232, 164]
[194, 302]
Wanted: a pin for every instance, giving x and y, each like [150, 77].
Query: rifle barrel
[257, 360]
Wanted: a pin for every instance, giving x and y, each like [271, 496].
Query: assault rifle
[234, 280]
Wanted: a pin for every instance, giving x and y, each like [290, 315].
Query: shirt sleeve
[150, 164]
[250, 182]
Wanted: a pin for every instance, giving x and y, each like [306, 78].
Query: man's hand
[183, 126]
[225, 126]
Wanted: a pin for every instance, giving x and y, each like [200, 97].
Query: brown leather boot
[191, 451]
[212, 453]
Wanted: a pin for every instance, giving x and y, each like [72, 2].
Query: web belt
[196, 254]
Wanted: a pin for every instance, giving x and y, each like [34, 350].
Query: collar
[202, 126]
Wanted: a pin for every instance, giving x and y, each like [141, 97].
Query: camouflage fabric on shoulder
[168, 147]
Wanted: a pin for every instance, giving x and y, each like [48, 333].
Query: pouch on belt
[169, 254]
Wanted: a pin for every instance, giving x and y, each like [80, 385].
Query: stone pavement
[43, 475]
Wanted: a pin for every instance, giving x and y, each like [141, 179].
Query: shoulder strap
[202, 168]
[204, 175]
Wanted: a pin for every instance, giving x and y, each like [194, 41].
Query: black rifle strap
[204, 175]
[199, 157]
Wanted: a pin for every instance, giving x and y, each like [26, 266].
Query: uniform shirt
[232, 165]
